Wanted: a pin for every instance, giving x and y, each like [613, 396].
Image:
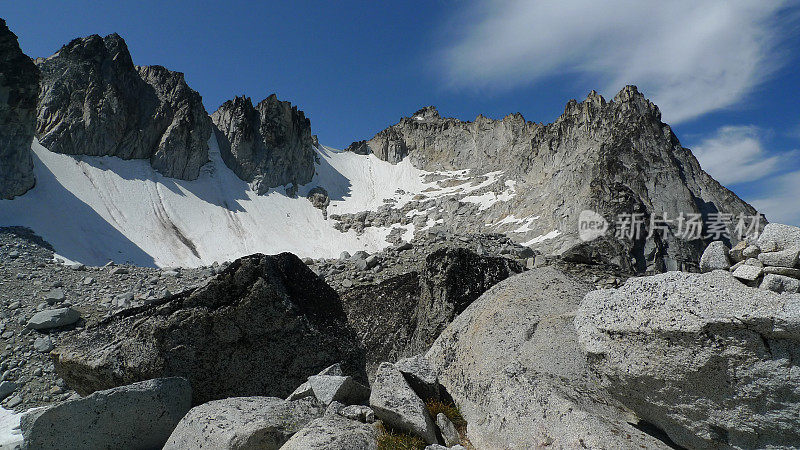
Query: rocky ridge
[610, 157]
[19, 88]
[268, 145]
[94, 101]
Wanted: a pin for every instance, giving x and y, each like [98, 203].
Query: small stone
[53, 318]
[331, 388]
[344, 256]
[785, 271]
[13, 254]
[118, 271]
[358, 412]
[14, 401]
[77, 266]
[748, 272]
[7, 388]
[43, 344]
[88, 281]
[753, 262]
[715, 257]
[751, 251]
[448, 430]
[55, 296]
[347, 283]
[398, 406]
[404, 246]
[736, 253]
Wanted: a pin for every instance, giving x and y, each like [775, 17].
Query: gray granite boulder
[239, 423]
[776, 237]
[398, 406]
[334, 432]
[421, 376]
[715, 257]
[138, 416]
[53, 318]
[512, 364]
[747, 272]
[711, 362]
[448, 430]
[780, 283]
[780, 258]
[330, 388]
[19, 89]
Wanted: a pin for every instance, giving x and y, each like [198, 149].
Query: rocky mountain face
[19, 88]
[94, 101]
[610, 157]
[268, 145]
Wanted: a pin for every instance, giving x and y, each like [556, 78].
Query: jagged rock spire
[19, 80]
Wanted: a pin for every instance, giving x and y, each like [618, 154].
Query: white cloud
[689, 56]
[734, 154]
[781, 205]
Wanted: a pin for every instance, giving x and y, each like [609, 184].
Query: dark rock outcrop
[403, 315]
[258, 328]
[94, 101]
[268, 145]
[611, 157]
[19, 88]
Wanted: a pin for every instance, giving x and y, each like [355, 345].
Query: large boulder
[708, 360]
[334, 432]
[268, 145]
[260, 327]
[94, 101]
[19, 89]
[242, 423]
[139, 416]
[403, 315]
[512, 363]
[398, 406]
[776, 237]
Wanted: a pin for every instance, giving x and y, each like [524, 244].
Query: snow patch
[551, 235]
[10, 433]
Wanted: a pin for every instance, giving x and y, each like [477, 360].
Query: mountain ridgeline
[611, 157]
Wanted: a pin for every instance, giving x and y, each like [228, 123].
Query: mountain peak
[426, 113]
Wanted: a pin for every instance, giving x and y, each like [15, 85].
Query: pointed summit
[426, 113]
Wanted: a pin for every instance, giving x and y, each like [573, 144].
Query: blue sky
[723, 72]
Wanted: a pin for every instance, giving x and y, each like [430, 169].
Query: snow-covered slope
[96, 209]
